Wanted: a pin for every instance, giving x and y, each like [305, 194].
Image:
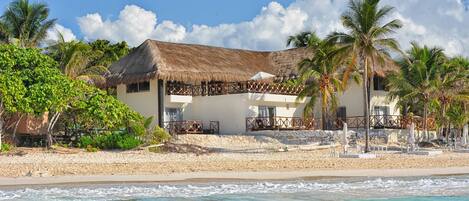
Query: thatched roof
[188, 62]
[194, 63]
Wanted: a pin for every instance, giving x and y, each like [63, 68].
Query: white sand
[220, 176]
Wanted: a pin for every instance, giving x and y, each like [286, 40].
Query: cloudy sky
[256, 25]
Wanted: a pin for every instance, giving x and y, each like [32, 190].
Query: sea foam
[350, 188]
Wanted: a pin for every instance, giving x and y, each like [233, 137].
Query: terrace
[355, 122]
[223, 88]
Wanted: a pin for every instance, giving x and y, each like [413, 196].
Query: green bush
[110, 140]
[128, 142]
[85, 141]
[5, 147]
[158, 135]
[89, 148]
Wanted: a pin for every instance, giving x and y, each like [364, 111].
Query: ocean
[446, 188]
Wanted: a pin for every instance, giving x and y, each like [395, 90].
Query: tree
[86, 61]
[26, 23]
[75, 60]
[416, 81]
[366, 43]
[458, 115]
[451, 86]
[12, 93]
[109, 52]
[303, 39]
[321, 72]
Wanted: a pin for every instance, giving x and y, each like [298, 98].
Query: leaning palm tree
[322, 79]
[26, 23]
[451, 86]
[75, 60]
[366, 43]
[303, 39]
[416, 81]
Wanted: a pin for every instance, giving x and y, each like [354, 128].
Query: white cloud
[433, 22]
[53, 34]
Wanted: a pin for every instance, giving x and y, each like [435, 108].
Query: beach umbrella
[262, 76]
[344, 135]
[411, 136]
[344, 140]
[465, 131]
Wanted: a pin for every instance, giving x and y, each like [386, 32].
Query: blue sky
[185, 12]
[248, 24]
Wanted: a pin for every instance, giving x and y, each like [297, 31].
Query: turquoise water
[448, 188]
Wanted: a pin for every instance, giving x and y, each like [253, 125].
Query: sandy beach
[232, 157]
[44, 168]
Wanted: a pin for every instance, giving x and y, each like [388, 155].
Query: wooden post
[160, 103]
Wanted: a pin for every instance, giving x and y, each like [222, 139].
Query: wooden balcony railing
[222, 88]
[385, 121]
[192, 127]
[354, 122]
[280, 123]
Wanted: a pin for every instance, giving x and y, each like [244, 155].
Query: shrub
[5, 147]
[158, 135]
[85, 141]
[90, 148]
[128, 142]
[110, 140]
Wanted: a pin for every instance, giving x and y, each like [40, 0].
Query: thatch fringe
[195, 63]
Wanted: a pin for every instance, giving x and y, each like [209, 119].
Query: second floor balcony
[223, 88]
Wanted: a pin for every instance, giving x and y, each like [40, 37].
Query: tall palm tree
[322, 79]
[451, 86]
[416, 81]
[303, 39]
[366, 43]
[25, 22]
[75, 60]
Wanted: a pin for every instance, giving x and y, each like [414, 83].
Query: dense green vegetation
[59, 80]
[429, 82]
[31, 84]
[25, 24]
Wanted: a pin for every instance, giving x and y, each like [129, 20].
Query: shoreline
[207, 177]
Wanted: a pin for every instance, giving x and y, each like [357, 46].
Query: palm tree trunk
[323, 111]
[425, 111]
[366, 108]
[1, 132]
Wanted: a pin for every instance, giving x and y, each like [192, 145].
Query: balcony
[354, 122]
[192, 127]
[223, 88]
[280, 123]
[384, 122]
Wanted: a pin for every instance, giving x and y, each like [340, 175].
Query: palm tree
[458, 115]
[366, 43]
[321, 77]
[415, 82]
[26, 23]
[75, 60]
[303, 39]
[451, 84]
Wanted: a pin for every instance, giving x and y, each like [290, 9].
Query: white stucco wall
[231, 110]
[145, 103]
[352, 99]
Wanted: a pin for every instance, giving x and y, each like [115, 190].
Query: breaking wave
[321, 189]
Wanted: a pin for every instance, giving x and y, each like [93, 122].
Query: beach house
[191, 88]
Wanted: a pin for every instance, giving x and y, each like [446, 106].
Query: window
[379, 83]
[266, 111]
[173, 114]
[341, 113]
[381, 110]
[138, 87]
